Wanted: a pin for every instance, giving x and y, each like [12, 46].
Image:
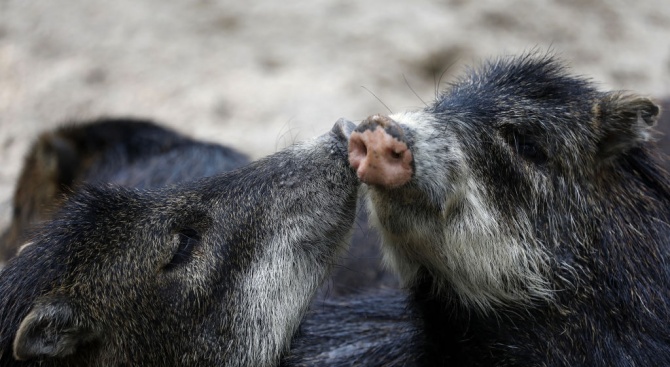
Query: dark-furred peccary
[215, 272]
[138, 153]
[122, 151]
[528, 213]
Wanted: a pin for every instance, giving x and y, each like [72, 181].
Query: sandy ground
[258, 75]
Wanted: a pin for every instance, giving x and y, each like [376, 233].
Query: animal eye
[527, 147]
[187, 239]
[530, 150]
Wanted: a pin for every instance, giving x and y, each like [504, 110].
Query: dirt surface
[259, 75]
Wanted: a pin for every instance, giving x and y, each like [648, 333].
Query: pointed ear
[626, 121]
[50, 330]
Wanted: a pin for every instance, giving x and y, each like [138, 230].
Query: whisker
[380, 101]
[413, 91]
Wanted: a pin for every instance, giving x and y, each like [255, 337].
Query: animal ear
[57, 155]
[626, 121]
[50, 330]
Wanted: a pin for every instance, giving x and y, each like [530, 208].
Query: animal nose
[379, 153]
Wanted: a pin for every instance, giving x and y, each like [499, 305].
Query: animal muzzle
[380, 154]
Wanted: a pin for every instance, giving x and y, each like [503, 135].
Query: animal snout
[379, 153]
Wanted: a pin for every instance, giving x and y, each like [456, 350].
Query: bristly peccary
[215, 272]
[528, 213]
[664, 129]
[123, 151]
[138, 153]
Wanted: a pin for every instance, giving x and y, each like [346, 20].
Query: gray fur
[375, 329]
[486, 261]
[535, 229]
[114, 268]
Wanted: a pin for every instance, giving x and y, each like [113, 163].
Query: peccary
[664, 129]
[216, 272]
[128, 152]
[528, 213]
[138, 153]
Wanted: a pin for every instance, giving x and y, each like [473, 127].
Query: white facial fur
[278, 287]
[459, 239]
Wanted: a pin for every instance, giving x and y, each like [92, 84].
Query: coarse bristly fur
[215, 272]
[142, 154]
[375, 329]
[534, 231]
[129, 152]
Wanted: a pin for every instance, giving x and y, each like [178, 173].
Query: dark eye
[531, 151]
[188, 239]
[527, 147]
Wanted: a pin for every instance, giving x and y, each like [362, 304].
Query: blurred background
[258, 75]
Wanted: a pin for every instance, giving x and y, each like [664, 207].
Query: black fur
[123, 151]
[212, 272]
[576, 164]
[374, 329]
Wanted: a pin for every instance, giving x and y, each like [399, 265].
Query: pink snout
[378, 153]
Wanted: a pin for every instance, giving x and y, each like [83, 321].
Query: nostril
[361, 148]
[380, 157]
[358, 150]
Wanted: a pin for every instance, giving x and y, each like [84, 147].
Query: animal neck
[445, 321]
